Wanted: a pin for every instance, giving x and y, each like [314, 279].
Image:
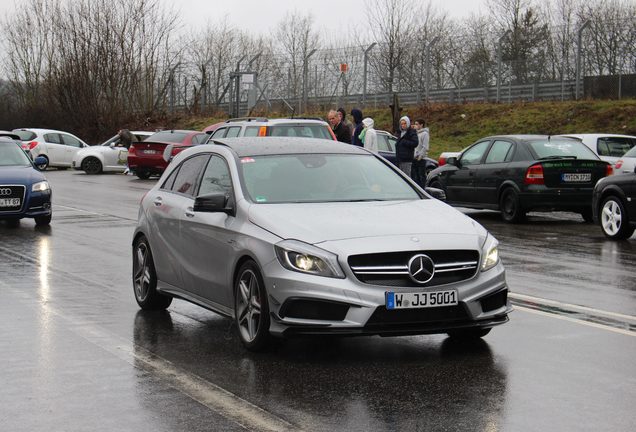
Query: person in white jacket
[418, 169]
[369, 136]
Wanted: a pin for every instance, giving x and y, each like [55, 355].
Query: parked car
[609, 147]
[386, 148]
[614, 205]
[110, 156]
[261, 126]
[519, 173]
[626, 163]
[444, 156]
[146, 158]
[24, 191]
[211, 128]
[287, 241]
[57, 147]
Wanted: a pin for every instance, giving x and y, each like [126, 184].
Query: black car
[386, 149]
[519, 173]
[614, 205]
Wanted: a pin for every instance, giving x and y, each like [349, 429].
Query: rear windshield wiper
[558, 157]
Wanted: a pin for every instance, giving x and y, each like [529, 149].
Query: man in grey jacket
[418, 169]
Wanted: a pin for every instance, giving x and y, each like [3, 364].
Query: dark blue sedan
[24, 191]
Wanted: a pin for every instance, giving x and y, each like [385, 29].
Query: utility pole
[305, 89]
[428, 65]
[364, 81]
[579, 49]
[504, 36]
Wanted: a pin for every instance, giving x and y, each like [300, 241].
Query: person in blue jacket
[357, 127]
[405, 145]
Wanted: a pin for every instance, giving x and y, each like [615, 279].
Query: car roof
[261, 146]
[264, 120]
[41, 130]
[597, 135]
[528, 137]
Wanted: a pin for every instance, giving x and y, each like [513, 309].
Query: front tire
[614, 220]
[92, 166]
[45, 165]
[510, 207]
[251, 310]
[468, 334]
[145, 278]
[43, 220]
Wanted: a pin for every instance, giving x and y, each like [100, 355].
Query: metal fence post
[364, 73]
[579, 49]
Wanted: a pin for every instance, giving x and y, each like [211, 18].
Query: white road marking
[569, 306]
[575, 320]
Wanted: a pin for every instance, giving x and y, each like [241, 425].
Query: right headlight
[489, 253]
[305, 258]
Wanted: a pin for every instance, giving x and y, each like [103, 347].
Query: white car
[110, 156]
[627, 163]
[609, 147]
[57, 147]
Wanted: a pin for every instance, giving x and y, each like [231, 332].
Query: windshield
[322, 178]
[168, 136]
[25, 135]
[556, 148]
[12, 155]
[301, 131]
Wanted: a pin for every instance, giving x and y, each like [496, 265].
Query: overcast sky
[260, 16]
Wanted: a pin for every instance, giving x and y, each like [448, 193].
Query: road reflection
[352, 384]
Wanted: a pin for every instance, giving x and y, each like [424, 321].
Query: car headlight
[42, 186]
[305, 258]
[489, 253]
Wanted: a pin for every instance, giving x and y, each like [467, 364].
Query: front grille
[391, 269]
[383, 316]
[9, 193]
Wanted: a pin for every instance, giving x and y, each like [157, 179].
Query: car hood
[20, 175]
[321, 222]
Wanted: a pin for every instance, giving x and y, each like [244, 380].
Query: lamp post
[579, 49]
[364, 73]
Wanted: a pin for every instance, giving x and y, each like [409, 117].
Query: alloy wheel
[611, 217]
[248, 305]
[142, 272]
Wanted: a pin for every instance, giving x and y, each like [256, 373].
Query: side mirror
[453, 161]
[436, 193]
[167, 153]
[216, 202]
[40, 162]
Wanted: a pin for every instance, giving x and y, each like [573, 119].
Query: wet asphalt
[76, 353]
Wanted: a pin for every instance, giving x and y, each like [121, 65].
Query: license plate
[420, 300]
[10, 202]
[150, 152]
[576, 177]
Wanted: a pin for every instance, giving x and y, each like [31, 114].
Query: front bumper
[356, 308]
[37, 204]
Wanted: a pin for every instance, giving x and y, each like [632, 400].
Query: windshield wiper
[557, 157]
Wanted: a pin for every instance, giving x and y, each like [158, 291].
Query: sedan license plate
[420, 300]
[150, 151]
[10, 202]
[576, 177]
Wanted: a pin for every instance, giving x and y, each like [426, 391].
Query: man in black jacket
[340, 129]
[405, 145]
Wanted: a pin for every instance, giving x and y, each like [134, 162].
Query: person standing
[369, 136]
[418, 169]
[343, 118]
[405, 146]
[357, 127]
[340, 130]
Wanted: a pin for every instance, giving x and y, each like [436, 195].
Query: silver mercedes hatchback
[297, 237]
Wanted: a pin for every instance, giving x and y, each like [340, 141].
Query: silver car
[296, 237]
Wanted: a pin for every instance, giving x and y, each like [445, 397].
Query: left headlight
[489, 253]
[305, 258]
[42, 186]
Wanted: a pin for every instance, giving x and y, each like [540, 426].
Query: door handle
[189, 212]
[158, 201]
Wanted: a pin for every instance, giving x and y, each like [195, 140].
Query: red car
[146, 158]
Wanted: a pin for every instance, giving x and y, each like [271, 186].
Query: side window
[383, 143]
[219, 133]
[473, 155]
[167, 185]
[233, 132]
[614, 146]
[391, 142]
[216, 177]
[53, 138]
[251, 131]
[199, 138]
[71, 141]
[189, 172]
[501, 151]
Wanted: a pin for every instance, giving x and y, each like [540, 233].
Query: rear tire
[145, 278]
[614, 220]
[468, 334]
[143, 174]
[510, 207]
[92, 165]
[251, 309]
